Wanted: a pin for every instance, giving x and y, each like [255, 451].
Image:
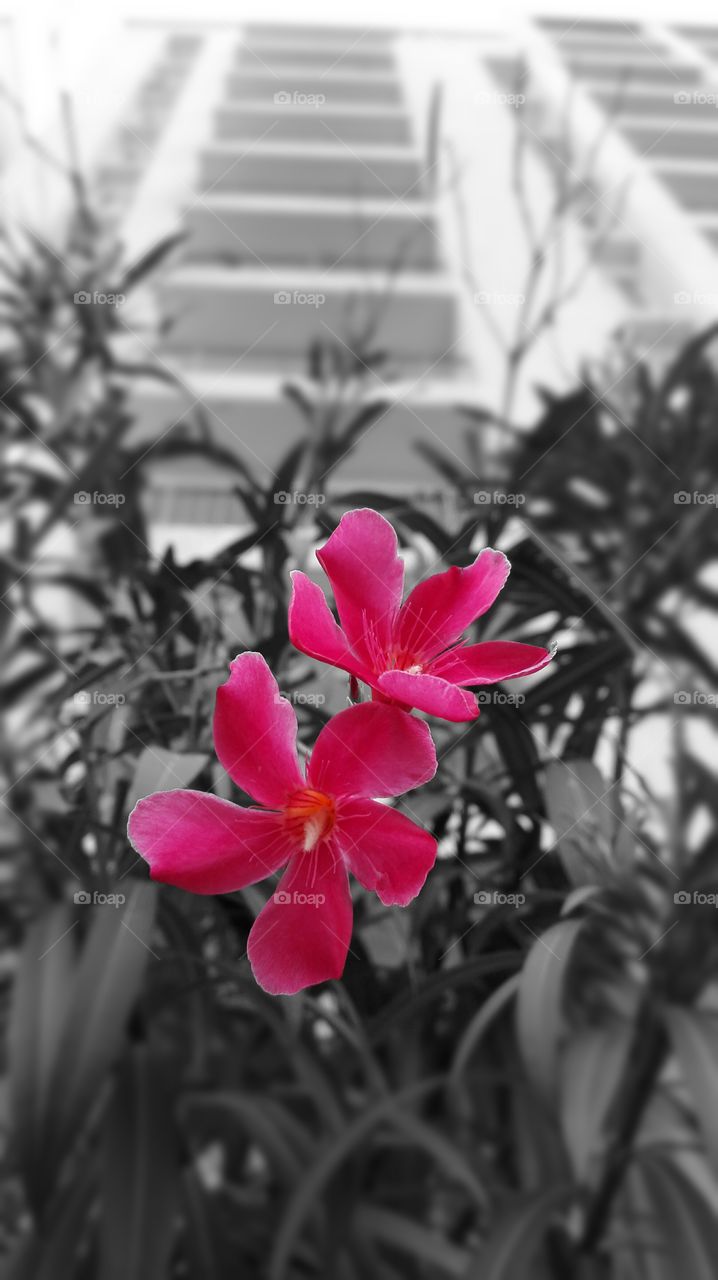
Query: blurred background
[259, 267]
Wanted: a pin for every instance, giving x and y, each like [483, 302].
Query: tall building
[381, 217]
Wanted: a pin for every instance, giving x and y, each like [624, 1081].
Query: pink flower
[320, 826]
[411, 653]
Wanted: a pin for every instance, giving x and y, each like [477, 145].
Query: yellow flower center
[400, 660]
[310, 816]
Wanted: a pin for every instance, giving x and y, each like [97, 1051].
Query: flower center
[310, 815]
[400, 660]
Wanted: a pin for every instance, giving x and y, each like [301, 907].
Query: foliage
[518, 1074]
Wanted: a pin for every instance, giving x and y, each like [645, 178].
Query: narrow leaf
[539, 1007]
[140, 1174]
[694, 1036]
[107, 984]
[510, 1253]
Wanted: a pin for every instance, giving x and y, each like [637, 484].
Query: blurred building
[383, 216]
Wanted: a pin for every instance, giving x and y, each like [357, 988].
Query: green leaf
[583, 816]
[591, 1068]
[686, 1223]
[539, 1006]
[386, 939]
[150, 260]
[140, 1174]
[477, 1027]
[53, 1250]
[412, 1239]
[158, 769]
[510, 1253]
[336, 1150]
[42, 990]
[106, 985]
[202, 1243]
[412, 1008]
[694, 1036]
[636, 1254]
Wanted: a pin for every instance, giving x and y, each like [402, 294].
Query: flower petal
[302, 935]
[385, 850]
[372, 750]
[428, 693]
[362, 563]
[439, 609]
[204, 844]
[491, 661]
[312, 628]
[255, 732]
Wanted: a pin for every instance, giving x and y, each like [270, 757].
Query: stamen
[402, 660]
[420, 635]
[310, 815]
[373, 649]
